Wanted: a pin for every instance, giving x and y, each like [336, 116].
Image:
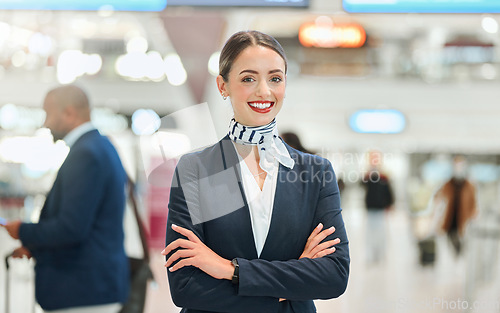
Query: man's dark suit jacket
[78, 241]
[305, 196]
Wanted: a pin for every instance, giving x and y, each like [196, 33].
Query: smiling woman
[255, 85]
[253, 76]
[243, 233]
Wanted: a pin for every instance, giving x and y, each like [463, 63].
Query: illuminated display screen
[377, 121]
[484, 172]
[84, 5]
[421, 6]
[241, 3]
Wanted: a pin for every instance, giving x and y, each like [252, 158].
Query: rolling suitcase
[10, 306]
[427, 248]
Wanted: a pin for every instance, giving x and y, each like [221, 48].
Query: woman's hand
[314, 249]
[193, 252]
[13, 229]
[21, 252]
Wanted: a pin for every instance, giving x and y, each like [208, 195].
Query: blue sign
[84, 5]
[377, 121]
[421, 6]
[240, 3]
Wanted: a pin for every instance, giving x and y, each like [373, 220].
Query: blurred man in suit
[81, 265]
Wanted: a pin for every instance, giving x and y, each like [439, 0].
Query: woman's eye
[248, 79]
[276, 79]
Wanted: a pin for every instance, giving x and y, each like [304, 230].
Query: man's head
[459, 167]
[66, 108]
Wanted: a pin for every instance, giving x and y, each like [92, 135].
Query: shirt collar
[275, 163]
[77, 132]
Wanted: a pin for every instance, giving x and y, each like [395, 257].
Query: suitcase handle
[7, 302]
[7, 260]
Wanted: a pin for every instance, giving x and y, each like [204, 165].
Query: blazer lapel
[47, 209]
[287, 196]
[243, 219]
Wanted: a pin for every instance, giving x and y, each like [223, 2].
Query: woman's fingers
[321, 236]
[182, 253]
[314, 245]
[186, 232]
[309, 246]
[182, 263]
[193, 252]
[324, 252]
[315, 231]
[179, 243]
[325, 245]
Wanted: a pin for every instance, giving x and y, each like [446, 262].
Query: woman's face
[256, 85]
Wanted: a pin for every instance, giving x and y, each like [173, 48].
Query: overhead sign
[240, 3]
[84, 5]
[332, 36]
[377, 121]
[468, 51]
[421, 6]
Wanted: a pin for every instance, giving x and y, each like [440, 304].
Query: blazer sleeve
[190, 287]
[305, 279]
[83, 188]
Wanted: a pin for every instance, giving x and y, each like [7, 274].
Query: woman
[254, 225]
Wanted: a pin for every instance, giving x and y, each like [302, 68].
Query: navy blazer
[78, 241]
[305, 196]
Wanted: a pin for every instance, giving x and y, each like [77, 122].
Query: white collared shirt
[260, 202]
[77, 132]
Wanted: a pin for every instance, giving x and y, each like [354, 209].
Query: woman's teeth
[260, 105]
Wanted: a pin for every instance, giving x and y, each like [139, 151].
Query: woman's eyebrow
[255, 72]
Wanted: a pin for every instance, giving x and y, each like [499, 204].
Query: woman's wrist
[228, 269]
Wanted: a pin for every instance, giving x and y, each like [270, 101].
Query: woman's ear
[221, 85]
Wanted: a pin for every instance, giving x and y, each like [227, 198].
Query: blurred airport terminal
[405, 85]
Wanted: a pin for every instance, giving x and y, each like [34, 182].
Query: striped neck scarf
[266, 138]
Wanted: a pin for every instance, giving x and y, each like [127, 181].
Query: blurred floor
[400, 284]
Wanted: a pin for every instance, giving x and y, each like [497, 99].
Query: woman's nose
[263, 89]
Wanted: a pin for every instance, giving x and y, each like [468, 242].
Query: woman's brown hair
[239, 42]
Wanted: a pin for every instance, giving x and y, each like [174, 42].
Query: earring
[224, 96]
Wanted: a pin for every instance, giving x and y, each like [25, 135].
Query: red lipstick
[261, 106]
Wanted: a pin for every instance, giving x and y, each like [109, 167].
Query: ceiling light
[176, 74]
[213, 63]
[40, 44]
[489, 24]
[93, 64]
[155, 68]
[70, 66]
[137, 44]
[377, 121]
[18, 58]
[9, 116]
[145, 122]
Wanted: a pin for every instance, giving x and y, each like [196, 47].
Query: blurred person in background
[293, 140]
[78, 246]
[244, 233]
[459, 196]
[378, 200]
